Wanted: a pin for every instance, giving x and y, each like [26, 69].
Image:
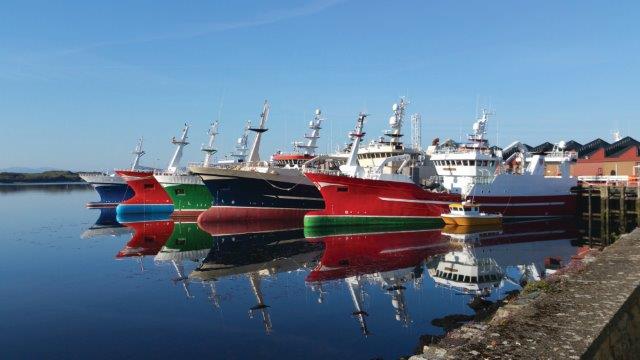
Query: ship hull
[359, 201]
[149, 197]
[188, 193]
[113, 194]
[354, 201]
[528, 207]
[240, 195]
[111, 189]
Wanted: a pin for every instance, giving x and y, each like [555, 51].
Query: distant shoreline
[27, 184]
[46, 177]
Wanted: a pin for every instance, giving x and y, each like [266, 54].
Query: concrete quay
[591, 311]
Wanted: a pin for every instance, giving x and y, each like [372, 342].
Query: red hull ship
[149, 197]
[515, 188]
[351, 201]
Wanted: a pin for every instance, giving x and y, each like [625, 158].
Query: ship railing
[462, 150]
[483, 180]
[235, 166]
[323, 171]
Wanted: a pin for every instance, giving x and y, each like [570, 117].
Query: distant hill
[27, 170]
[42, 177]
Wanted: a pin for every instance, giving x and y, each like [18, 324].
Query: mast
[254, 155]
[395, 121]
[177, 155]
[137, 152]
[351, 166]
[209, 150]
[315, 125]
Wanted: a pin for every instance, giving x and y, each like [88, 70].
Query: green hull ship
[189, 194]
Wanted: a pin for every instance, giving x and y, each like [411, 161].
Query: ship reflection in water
[394, 283]
[256, 251]
[389, 259]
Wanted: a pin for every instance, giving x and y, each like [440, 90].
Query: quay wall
[620, 338]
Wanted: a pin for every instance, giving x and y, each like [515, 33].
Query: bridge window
[179, 191]
[149, 186]
[472, 162]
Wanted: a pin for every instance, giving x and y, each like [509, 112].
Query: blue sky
[80, 81]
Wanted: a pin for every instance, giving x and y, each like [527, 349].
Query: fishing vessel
[263, 190]
[472, 171]
[187, 191]
[468, 214]
[111, 187]
[150, 196]
[357, 195]
[476, 172]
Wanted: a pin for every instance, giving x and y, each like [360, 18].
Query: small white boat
[468, 214]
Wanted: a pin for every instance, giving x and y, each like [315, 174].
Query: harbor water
[79, 283]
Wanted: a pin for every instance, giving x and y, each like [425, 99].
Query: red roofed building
[601, 159]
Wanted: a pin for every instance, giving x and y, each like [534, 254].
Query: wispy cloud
[25, 66]
[196, 30]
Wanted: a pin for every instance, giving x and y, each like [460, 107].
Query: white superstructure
[475, 169]
[375, 152]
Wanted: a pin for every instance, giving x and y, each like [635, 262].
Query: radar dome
[562, 144]
[318, 112]
[394, 107]
[393, 120]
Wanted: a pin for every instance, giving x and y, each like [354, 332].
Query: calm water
[76, 283]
